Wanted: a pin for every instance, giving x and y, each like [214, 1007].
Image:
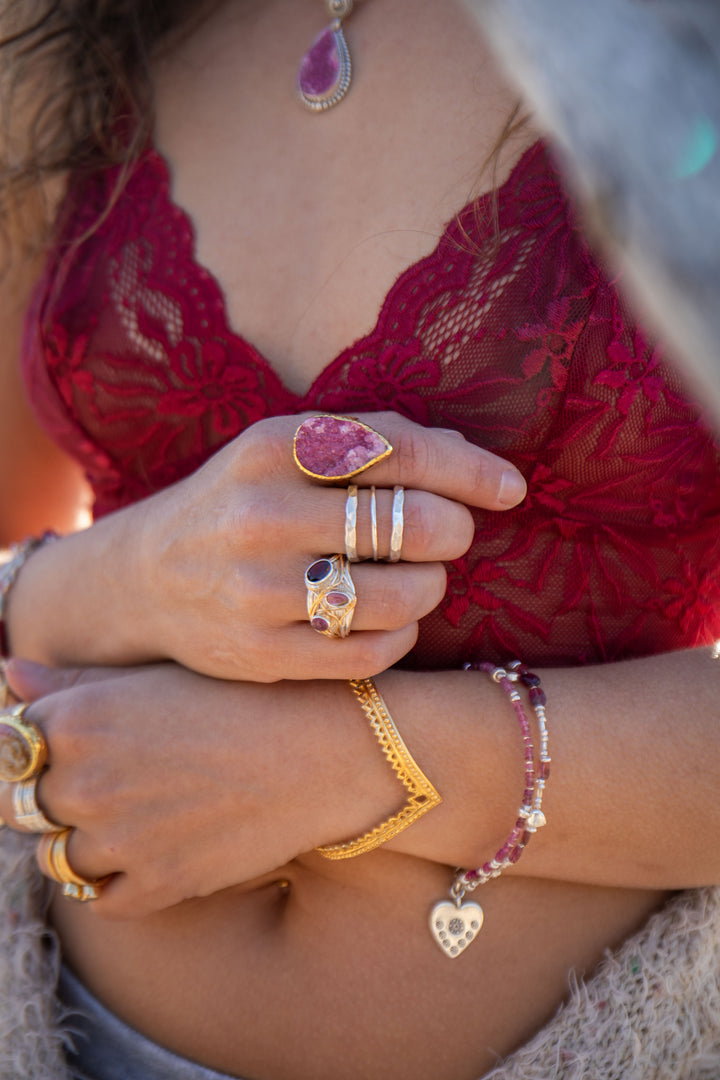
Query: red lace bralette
[509, 331]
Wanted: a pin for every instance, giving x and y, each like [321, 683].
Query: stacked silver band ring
[351, 507]
[398, 524]
[331, 597]
[373, 523]
[26, 810]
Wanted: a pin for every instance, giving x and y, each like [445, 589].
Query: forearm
[256, 775]
[80, 600]
[632, 796]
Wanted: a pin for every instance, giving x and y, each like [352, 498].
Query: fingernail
[512, 488]
[451, 431]
[25, 669]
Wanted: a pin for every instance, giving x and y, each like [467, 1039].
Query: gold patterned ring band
[331, 597]
[23, 749]
[53, 861]
[27, 813]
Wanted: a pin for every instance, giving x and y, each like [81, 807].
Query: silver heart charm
[453, 927]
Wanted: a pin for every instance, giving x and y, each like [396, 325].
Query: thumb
[29, 680]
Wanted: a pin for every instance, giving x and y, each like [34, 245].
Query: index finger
[438, 461]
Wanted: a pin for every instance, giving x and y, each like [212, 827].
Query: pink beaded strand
[455, 924]
[520, 834]
[538, 701]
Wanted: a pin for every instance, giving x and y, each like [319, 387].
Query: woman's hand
[181, 786]
[210, 573]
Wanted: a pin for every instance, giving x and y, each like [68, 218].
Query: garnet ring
[331, 597]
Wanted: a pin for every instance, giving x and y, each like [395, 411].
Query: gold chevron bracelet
[423, 796]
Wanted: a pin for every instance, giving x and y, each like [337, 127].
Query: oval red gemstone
[318, 571]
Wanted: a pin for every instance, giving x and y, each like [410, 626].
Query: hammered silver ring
[351, 509]
[26, 811]
[398, 524]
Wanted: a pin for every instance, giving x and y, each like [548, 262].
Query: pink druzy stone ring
[337, 448]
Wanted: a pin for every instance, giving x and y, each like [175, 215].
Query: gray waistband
[107, 1049]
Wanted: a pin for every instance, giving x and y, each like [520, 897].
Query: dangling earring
[326, 70]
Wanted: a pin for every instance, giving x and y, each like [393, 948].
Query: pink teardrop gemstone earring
[326, 69]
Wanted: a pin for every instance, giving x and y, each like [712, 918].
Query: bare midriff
[328, 970]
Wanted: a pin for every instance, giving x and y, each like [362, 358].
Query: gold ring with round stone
[331, 596]
[398, 523]
[351, 506]
[23, 749]
[26, 811]
[53, 861]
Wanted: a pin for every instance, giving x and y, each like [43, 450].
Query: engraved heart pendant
[455, 927]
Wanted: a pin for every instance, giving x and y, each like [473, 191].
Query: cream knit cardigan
[650, 1012]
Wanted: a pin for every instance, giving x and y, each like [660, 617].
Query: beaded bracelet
[423, 796]
[454, 924]
[19, 555]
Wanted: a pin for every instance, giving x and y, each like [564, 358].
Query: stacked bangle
[423, 796]
[530, 815]
[455, 924]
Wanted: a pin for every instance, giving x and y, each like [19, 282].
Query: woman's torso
[307, 221]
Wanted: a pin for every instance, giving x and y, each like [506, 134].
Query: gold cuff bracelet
[423, 796]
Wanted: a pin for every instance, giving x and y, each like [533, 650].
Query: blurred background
[629, 91]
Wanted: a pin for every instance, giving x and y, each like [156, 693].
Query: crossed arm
[222, 704]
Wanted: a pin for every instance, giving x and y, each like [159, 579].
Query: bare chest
[307, 220]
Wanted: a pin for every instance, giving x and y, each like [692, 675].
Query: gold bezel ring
[23, 753]
[331, 596]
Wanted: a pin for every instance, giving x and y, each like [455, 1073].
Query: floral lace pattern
[512, 334]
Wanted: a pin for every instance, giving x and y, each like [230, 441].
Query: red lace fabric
[514, 336]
